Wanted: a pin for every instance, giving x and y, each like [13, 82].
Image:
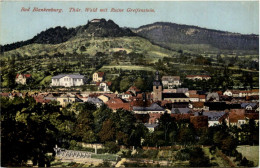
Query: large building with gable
[68, 80]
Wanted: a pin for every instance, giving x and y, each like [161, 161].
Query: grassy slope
[107, 45]
[250, 152]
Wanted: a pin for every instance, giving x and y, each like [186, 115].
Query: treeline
[30, 130]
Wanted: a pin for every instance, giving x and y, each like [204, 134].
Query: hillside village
[236, 107]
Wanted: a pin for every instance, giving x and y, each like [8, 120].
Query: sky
[233, 16]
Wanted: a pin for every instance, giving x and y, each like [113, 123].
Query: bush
[111, 147]
[183, 154]
[198, 158]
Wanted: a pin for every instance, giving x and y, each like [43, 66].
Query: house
[104, 98]
[213, 97]
[197, 106]
[194, 98]
[98, 76]
[233, 93]
[66, 99]
[151, 127]
[103, 86]
[169, 90]
[126, 95]
[68, 80]
[202, 98]
[238, 117]
[154, 108]
[154, 117]
[213, 117]
[96, 101]
[171, 81]
[118, 103]
[180, 111]
[192, 92]
[249, 106]
[22, 79]
[134, 90]
[182, 90]
[198, 77]
[255, 92]
[175, 97]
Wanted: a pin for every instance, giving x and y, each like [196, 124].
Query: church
[158, 94]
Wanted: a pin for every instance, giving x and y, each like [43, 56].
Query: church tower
[157, 88]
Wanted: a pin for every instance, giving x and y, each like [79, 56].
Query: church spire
[157, 81]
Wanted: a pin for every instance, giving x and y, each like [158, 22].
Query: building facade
[68, 80]
[157, 88]
[22, 78]
[98, 76]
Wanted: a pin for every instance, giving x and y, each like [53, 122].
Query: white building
[68, 80]
[98, 76]
[171, 81]
[104, 86]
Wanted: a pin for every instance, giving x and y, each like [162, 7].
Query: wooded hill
[174, 36]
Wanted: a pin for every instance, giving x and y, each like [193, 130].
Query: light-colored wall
[96, 78]
[177, 99]
[65, 100]
[67, 82]
[20, 80]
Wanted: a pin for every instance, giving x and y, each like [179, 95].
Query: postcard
[129, 83]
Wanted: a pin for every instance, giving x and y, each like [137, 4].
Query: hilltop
[57, 35]
[185, 37]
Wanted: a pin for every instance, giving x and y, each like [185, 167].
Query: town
[156, 111]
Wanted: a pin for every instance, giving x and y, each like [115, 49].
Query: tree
[85, 123]
[100, 115]
[139, 83]
[166, 124]
[28, 131]
[111, 147]
[198, 158]
[124, 84]
[228, 144]
[108, 131]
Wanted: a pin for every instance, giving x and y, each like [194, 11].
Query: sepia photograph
[129, 83]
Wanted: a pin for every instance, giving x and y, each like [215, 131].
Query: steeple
[157, 81]
[157, 87]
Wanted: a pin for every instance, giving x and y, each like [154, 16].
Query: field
[250, 152]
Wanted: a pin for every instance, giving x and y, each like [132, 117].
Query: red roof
[198, 104]
[24, 75]
[199, 121]
[117, 103]
[182, 116]
[108, 83]
[134, 88]
[100, 74]
[202, 96]
[254, 116]
[219, 92]
[194, 96]
[236, 114]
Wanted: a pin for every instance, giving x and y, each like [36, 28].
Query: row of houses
[175, 81]
[149, 112]
[65, 80]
